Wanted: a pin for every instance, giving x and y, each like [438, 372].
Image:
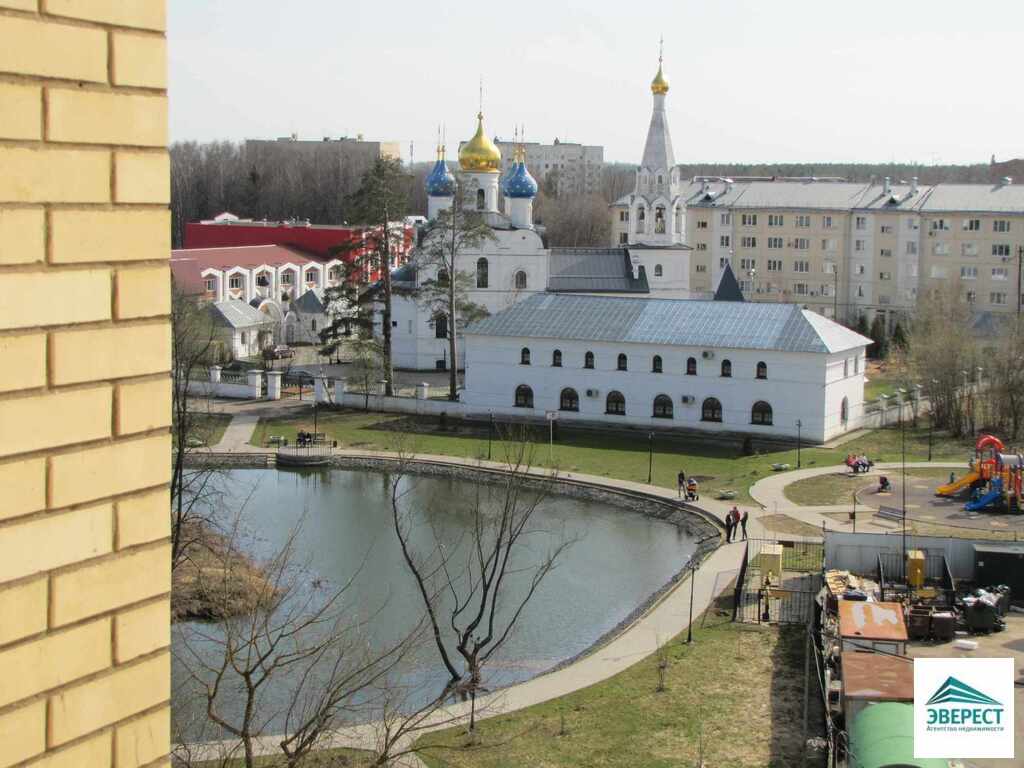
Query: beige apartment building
[845, 249]
[85, 396]
[578, 165]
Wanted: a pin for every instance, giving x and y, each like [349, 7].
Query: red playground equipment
[995, 478]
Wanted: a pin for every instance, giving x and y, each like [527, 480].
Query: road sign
[551, 415]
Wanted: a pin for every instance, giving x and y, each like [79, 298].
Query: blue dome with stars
[440, 182]
[520, 183]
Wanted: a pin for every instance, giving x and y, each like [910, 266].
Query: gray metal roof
[995, 198]
[658, 147]
[676, 322]
[308, 303]
[593, 270]
[237, 314]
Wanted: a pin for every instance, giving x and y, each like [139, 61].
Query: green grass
[620, 455]
[738, 689]
[209, 427]
[328, 758]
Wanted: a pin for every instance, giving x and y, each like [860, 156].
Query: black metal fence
[778, 582]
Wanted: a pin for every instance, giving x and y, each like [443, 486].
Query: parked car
[280, 352]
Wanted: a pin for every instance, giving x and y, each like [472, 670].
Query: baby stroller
[691, 491]
[884, 486]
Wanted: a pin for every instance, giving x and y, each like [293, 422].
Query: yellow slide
[951, 489]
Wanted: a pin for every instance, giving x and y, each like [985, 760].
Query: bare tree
[475, 591]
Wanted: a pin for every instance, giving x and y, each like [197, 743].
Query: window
[801, 266]
[826, 222]
[691, 366]
[659, 220]
[996, 298]
[968, 273]
[911, 224]
[969, 249]
[828, 244]
[702, 224]
[702, 246]
[861, 222]
[886, 229]
[641, 219]
[623, 238]
[333, 273]
[939, 225]
[711, 410]
[556, 358]
[999, 273]
[724, 241]
[748, 242]
[286, 278]
[615, 404]
[725, 219]
[911, 248]
[970, 296]
[568, 400]
[829, 267]
[885, 252]
[859, 269]
[524, 397]
[846, 368]
[748, 219]
[885, 275]
[774, 265]
[520, 280]
[588, 360]
[941, 249]
[621, 365]
[211, 284]
[1000, 225]
[774, 243]
[481, 203]
[801, 243]
[442, 276]
[856, 365]
[1000, 249]
[314, 324]
[858, 245]
[623, 215]
[245, 338]
[657, 270]
[972, 225]
[860, 291]
[774, 220]
[762, 370]
[803, 221]
[235, 282]
[726, 368]
[481, 273]
[656, 364]
[524, 356]
[800, 289]
[663, 407]
[761, 413]
[747, 264]
[441, 326]
[702, 267]
[310, 275]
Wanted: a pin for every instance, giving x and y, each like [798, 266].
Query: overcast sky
[931, 81]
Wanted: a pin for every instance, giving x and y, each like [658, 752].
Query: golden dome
[479, 153]
[659, 84]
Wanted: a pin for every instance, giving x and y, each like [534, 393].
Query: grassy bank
[736, 694]
[620, 454]
[328, 758]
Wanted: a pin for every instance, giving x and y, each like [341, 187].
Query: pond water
[616, 561]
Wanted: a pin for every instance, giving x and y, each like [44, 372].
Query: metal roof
[676, 322]
[877, 676]
[995, 198]
[594, 270]
[237, 314]
[308, 303]
[871, 621]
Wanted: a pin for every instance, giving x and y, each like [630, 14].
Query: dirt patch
[789, 525]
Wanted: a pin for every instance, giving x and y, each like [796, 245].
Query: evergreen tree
[880, 347]
[899, 337]
[862, 325]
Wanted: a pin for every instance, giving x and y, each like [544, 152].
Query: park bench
[319, 438]
[275, 440]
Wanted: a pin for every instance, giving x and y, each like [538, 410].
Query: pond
[616, 561]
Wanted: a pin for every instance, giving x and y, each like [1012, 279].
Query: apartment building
[578, 165]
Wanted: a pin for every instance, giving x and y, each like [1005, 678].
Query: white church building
[719, 366]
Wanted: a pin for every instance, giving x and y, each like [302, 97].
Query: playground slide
[991, 497]
[951, 489]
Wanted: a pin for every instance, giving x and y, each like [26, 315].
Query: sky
[758, 81]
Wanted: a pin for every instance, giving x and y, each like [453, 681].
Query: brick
[143, 406]
[102, 117]
[109, 353]
[37, 47]
[142, 14]
[107, 470]
[44, 543]
[139, 60]
[55, 298]
[22, 234]
[108, 584]
[24, 733]
[55, 660]
[143, 292]
[142, 630]
[51, 175]
[142, 519]
[24, 357]
[94, 751]
[26, 423]
[20, 5]
[24, 484]
[22, 108]
[95, 236]
[142, 177]
[23, 608]
[144, 740]
[87, 707]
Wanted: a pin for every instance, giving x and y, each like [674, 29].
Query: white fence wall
[858, 552]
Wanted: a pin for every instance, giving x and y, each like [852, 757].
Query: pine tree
[880, 348]
[862, 325]
[899, 338]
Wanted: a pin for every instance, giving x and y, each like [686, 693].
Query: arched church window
[481, 273]
[679, 219]
[659, 220]
[481, 201]
[659, 181]
[520, 280]
[641, 220]
[657, 270]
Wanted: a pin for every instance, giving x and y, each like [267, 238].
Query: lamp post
[1020, 263]
[931, 415]
[650, 456]
[903, 488]
[490, 433]
[799, 425]
[752, 274]
[689, 626]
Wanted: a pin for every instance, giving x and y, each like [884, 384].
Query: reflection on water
[618, 560]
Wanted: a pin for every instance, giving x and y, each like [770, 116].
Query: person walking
[728, 527]
[743, 523]
[681, 479]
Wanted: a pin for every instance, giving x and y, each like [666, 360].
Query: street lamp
[903, 488]
[799, 425]
[1020, 262]
[931, 415]
[752, 274]
[650, 456]
[689, 626]
[490, 433]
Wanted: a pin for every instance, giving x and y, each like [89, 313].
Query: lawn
[826, 490]
[209, 427]
[737, 691]
[328, 758]
[621, 454]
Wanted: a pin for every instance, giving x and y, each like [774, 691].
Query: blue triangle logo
[954, 691]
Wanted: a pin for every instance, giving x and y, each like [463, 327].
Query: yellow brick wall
[84, 385]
